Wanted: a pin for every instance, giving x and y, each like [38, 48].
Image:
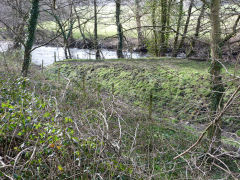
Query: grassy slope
[180, 87]
[169, 79]
[59, 126]
[177, 85]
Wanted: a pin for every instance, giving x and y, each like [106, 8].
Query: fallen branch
[227, 170]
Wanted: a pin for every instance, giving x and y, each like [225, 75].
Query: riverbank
[180, 88]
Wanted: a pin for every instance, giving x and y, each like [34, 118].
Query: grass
[106, 22]
[104, 31]
[135, 79]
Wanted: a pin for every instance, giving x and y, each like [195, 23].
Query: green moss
[181, 88]
[174, 87]
[238, 133]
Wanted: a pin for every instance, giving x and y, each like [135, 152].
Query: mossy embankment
[180, 88]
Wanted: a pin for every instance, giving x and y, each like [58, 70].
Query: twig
[134, 140]
[11, 178]
[18, 156]
[3, 164]
[120, 130]
[64, 93]
[33, 153]
[237, 77]
[218, 117]
[106, 124]
[227, 171]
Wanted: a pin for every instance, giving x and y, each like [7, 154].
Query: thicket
[66, 128]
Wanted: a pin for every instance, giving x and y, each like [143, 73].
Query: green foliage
[238, 133]
[151, 46]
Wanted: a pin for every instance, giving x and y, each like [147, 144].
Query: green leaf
[46, 115]
[67, 119]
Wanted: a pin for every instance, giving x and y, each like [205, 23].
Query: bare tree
[96, 46]
[119, 29]
[65, 21]
[216, 79]
[154, 25]
[13, 16]
[180, 15]
[163, 32]
[185, 28]
[197, 31]
[139, 25]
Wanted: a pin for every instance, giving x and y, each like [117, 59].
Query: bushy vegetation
[91, 121]
[150, 118]
[44, 136]
[39, 140]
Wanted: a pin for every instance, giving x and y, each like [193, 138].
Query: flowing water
[47, 54]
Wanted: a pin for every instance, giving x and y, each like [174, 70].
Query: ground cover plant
[88, 129]
[171, 116]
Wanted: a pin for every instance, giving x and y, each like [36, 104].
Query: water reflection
[47, 54]
[4, 45]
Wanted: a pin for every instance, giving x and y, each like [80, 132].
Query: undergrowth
[47, 133]
[91, 122]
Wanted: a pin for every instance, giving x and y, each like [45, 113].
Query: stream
[46, 54]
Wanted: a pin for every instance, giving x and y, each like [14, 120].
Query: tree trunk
[119, 30]
[70, 38]
[32, 25]
[168, 22]
[216, 80]
[79, 24]
[196, 35]
[95, 31]
[186, 26]
[180, 15]
[163, 43]
[154, 24]
[139, 26]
